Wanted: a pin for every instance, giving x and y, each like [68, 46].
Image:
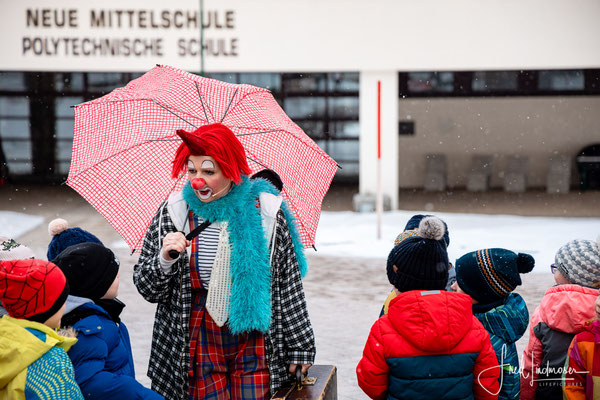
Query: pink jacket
[564, 308]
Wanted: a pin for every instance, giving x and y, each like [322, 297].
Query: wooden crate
[325, 387]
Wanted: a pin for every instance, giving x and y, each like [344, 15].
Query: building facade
[459, 79]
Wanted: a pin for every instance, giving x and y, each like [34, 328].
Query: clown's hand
[304, 370]
[173, 241]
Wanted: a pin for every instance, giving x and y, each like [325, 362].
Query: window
[561, 80]
[14, 132]
[499, 83]
[68, 81]
[304, 107]
[12, 81]
[324, 105]
[272, 82]
[343, 82]
[490, 81]
[64, 132]
[430, 82]
[104, 82]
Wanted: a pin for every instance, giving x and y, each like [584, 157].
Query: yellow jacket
[19, 349]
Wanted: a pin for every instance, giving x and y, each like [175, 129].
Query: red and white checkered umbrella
[124, 144]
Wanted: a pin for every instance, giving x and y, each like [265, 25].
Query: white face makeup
[208, 181]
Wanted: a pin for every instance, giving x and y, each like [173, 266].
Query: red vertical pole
[378, 120]
[379, 200]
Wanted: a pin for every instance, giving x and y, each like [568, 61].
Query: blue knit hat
[63, 237]
[421, 260]
[489, 275]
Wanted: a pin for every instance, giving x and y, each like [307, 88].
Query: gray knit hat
[579, 262]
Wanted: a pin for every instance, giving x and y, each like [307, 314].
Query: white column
[389, 134]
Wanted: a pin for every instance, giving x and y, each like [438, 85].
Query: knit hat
[32, 289]
[413, 223]
[404, 235]
[63, 237]
[11, 250]
[489, 275]
[90, 269]
[579, 262]
[421, 260]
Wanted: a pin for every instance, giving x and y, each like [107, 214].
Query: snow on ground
[350, 234]
[15, 224]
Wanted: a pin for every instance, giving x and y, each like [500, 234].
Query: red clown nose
[198, 183]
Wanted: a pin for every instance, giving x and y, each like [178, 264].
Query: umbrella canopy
[125, 141]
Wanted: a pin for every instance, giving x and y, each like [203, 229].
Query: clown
[231, 319]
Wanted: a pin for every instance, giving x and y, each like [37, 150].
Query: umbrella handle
[195, 232]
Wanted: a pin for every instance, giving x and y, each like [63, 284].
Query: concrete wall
[537, 127]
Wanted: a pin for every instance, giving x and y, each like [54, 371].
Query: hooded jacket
[429, 346]
[505, 325]
[34, 362]
[562, 314]
[102, 356]
[582, 371]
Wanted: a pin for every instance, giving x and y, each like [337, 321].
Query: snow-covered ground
[14, 224]
[349, 234]
[346, 284]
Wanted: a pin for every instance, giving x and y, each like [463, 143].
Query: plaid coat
[290, 337]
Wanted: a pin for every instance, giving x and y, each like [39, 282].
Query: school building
[464, 94]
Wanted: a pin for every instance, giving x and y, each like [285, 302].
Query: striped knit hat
[489, 275]
[579, 262]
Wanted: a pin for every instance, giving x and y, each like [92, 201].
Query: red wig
[216, 141]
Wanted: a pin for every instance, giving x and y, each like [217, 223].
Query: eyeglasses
[553, 268]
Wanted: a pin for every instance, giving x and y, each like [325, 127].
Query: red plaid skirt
[223, 366]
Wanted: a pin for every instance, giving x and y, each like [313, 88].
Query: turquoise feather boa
[250, 303]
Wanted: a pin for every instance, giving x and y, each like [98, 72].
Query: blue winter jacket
[103, 360]
[506, 324]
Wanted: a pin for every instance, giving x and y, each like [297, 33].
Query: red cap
[32, 289]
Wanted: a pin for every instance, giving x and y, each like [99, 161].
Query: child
[489, 276]
[33, 359]
[429, 345]
[583, 363]
[410, 230]
[562, 314]
[102, 357]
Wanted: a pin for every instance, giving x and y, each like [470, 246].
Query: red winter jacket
[429, 346]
